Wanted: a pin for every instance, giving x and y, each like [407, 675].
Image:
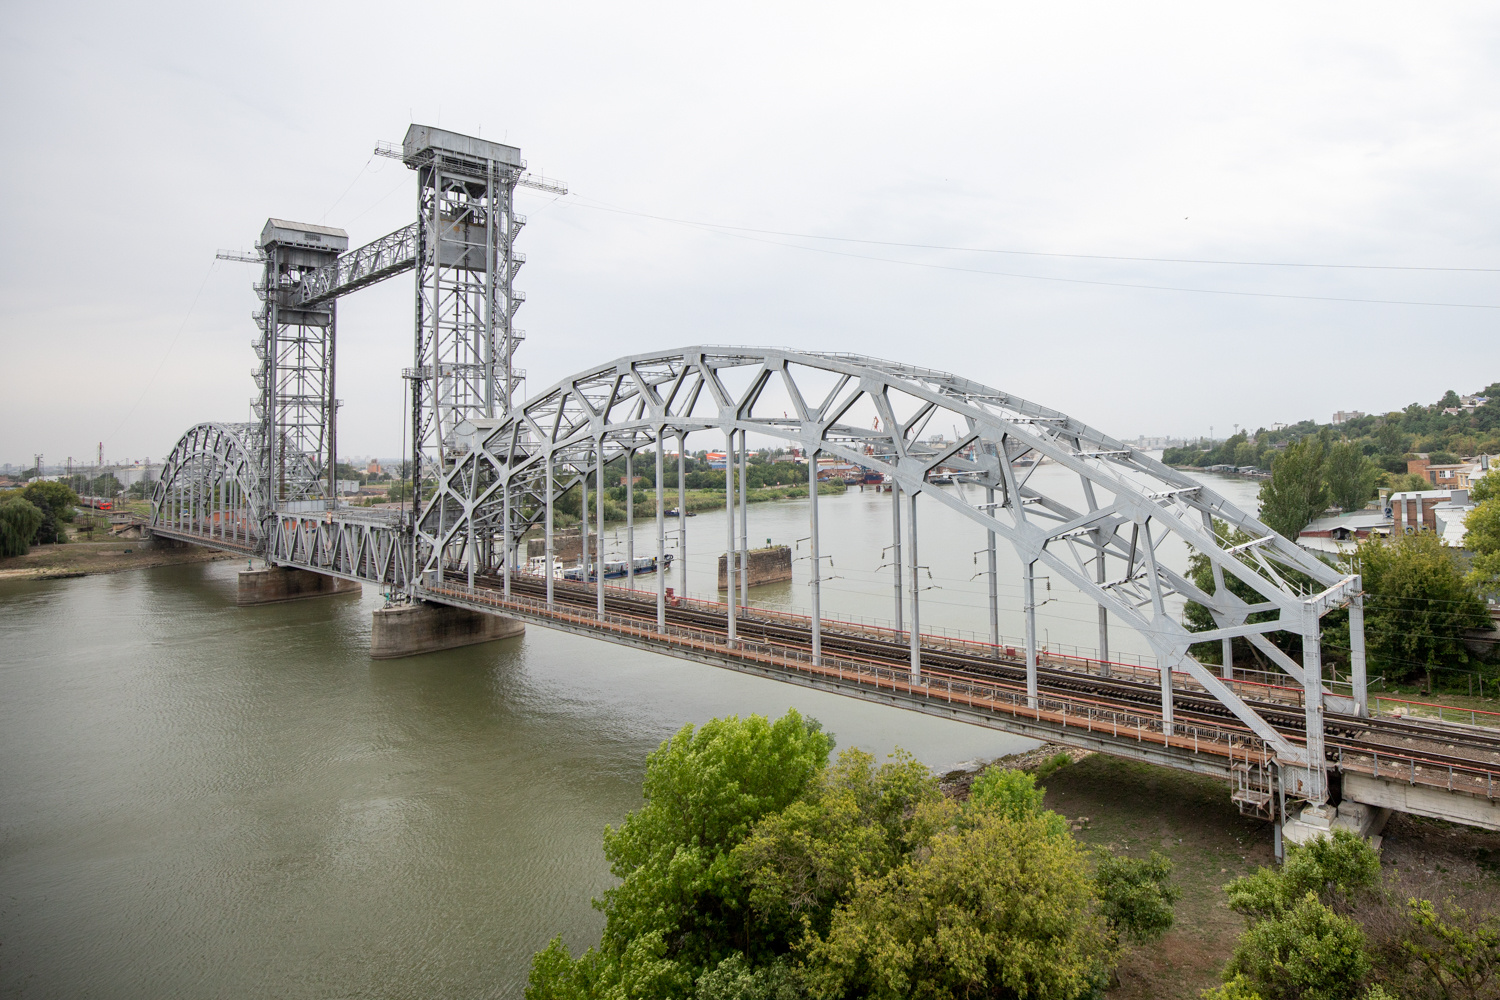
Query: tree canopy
[1296, 492]
[756, 870]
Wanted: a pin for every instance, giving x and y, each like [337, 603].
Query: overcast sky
[145, 136]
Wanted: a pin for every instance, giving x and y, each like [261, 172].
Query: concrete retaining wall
[278, 583]
[773, 565]
[410, 629]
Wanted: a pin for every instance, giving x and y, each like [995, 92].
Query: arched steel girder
[210, 486]
[1105, 547]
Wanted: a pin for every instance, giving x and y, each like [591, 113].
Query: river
[203, 800]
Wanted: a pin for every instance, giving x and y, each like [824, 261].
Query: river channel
[202, 800]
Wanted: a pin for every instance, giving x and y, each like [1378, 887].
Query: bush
[1331, 868]
[1136, 896]
[1307, 952]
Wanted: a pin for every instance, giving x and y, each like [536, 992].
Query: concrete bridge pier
[419, 627]
[275, 584]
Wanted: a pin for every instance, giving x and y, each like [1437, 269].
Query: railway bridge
[492, 464]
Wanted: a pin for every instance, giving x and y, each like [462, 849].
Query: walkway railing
[1094, 716]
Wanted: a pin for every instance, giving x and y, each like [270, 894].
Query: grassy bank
[1134, 809]
[105, 555]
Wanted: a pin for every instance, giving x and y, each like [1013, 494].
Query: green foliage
[1411, 483]
[1295, 493]
[1000, 907]
[1485, 488]
[1483, 541]
[19, 521]
[1237, 987]
[1197, 617]
[734, 979]
[1329, 868]
[1351, 477]
[1457, 951]
[1136, 895]
[1418, 603]
[856, 822]
[1307, 952]
[680, 907]
[55, 501]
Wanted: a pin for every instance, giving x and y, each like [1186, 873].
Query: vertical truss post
[331, 408]
[1164, 678]
[1028, 598]
[744, 522]
[729, 553]
[599, 520]
[916, 590]
[547, 545]
[583, 521]
[661, 535]
[812, 523]
[1357, 654]
[1099, 576]
[896, 549]
[510, 533]
[682, 513]
[991, 568]
[1312, 700]
[629, 517]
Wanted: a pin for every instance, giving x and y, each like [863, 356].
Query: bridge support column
[629, 520]
[547, 536]
[411, 629]
[276, 584]
[1312, 698]
[599, 521]
[583, 526]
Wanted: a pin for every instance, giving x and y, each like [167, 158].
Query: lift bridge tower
[462, 248]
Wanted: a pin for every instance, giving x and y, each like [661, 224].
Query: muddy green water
[199, 800]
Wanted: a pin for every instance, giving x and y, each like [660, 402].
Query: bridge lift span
[493, 466]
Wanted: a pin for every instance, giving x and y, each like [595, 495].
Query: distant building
[1458, 476]
[1278, 426]
[1406, 513]
[1343, 417]
[373, 469]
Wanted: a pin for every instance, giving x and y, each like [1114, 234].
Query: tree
[19, 521]
[1136, 895]
[1295, 493]
[857, 821]
[55, 501]
[1000, 907]
[1389, 436]
[679, 908]
[1296, 945]
[1483, 540]
[1351, 477]
[1486, 487]
[1305, 953]
[1418, 604]
[1411, 483]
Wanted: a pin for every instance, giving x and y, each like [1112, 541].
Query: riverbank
[107, 555]
[1133, 809]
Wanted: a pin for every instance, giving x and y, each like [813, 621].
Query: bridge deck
[1112, 715]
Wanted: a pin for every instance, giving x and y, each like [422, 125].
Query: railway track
[1465, 747]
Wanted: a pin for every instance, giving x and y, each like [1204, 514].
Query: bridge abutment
[411, 629]
[279, 583]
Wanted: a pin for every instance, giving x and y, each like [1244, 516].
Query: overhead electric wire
[736, 234]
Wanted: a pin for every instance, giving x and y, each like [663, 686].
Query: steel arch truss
[1102, 536]
[211, 489]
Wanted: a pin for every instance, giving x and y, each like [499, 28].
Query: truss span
[210, 490]
[1101, 534]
